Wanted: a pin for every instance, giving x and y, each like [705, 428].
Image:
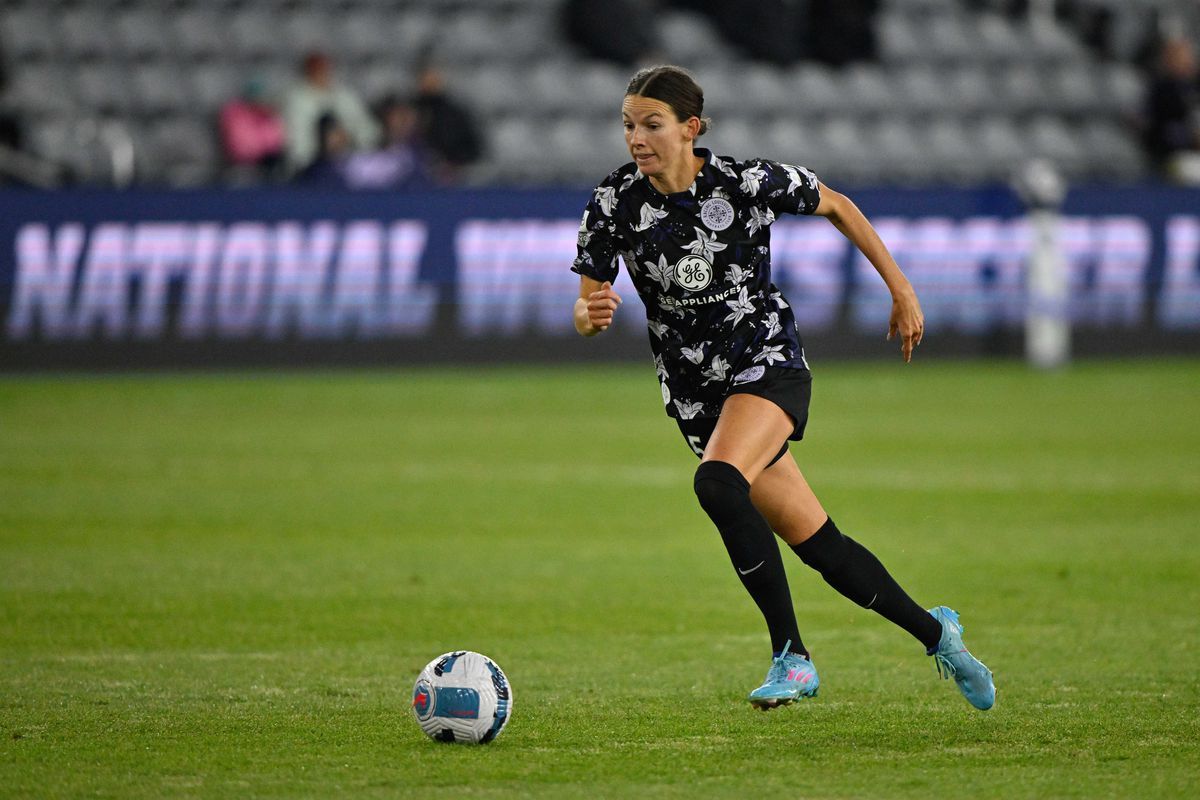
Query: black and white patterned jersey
[701, 262]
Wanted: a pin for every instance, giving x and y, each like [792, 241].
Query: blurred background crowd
[402, 94]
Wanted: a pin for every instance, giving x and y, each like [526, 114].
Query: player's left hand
[906, 320]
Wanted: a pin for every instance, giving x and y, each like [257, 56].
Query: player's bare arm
[595, 307]
[906, 318]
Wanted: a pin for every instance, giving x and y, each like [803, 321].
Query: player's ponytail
[674, 86]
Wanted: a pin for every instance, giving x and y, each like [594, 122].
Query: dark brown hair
[674, 86]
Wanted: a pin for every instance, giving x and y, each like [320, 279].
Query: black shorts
[790, 389]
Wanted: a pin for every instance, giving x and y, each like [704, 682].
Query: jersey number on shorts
[694, 443]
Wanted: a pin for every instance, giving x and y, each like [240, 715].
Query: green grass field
[225, 585]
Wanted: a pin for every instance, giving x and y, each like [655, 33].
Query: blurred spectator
[1172, 114]
[842, 31]
[614, 30]
[327, 168]
[252, 131]
[770, 30]
[445, 126]
[10, 125]
[400, 162]
[315, 96]
[782, 31]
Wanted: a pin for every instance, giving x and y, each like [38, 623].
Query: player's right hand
[601, 305]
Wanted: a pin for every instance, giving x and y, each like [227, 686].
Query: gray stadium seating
[199, 33]
[139, 32]
[86, 34]
[816, 89]
[691, 39]
[962, 93]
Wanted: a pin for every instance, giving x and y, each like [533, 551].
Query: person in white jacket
[317, 95]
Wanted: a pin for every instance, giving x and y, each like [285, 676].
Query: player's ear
[692, 128]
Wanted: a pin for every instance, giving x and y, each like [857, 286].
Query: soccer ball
[462, 697]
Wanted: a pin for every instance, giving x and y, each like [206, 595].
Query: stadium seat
[530, 33]
[213, 84]
[923, 90]
[1049, 137]
[1075, 89]
[305, 30]
[868, 89]
[814, 90]
[921, 6]
[139, 33]
[255, 34]
[158, 87]
[579, 154]
[381, 79]
[1112, 151]
[178, 151]
[689, 38]
[57, 140]
[106, 88]
[843, 151]
[946, 152]
[86, 34]
[409, 30]
[1049, 42]
[470, 36]
[790, 140]
[970, 90]
[41, 89]
[74, 143]
[947, 38]
[763, 89]
[492, 90]
[1022, 89]
[997, 41]
[723, 91]
[900, 151]
[361, 36]
[602, 86]
[28, 34]
[736, 137]
[898, 38]
[1122, 89]
[1000, 146]
[514, 151]
[553, 87]
[50, 137]
[199, 33]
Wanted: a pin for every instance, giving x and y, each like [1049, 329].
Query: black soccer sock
[855, 572]
[724, 495]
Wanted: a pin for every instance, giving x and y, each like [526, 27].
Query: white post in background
[1047, 307]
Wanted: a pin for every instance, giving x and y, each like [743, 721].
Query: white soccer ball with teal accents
[462, 697]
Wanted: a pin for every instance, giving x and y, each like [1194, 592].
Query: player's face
[655, 138]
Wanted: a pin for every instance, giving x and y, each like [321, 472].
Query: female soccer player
[694, 232]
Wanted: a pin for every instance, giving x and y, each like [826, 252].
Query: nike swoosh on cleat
[748, 571]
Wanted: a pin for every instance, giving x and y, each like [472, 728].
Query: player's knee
[826, 550]
[720, 487]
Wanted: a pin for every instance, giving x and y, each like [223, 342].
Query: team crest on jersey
[749, 375]
[716, 214]
[693, 272]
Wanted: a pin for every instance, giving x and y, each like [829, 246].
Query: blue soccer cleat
[791, 677]
[954, 661]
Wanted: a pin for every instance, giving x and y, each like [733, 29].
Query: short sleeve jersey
[701, 262]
